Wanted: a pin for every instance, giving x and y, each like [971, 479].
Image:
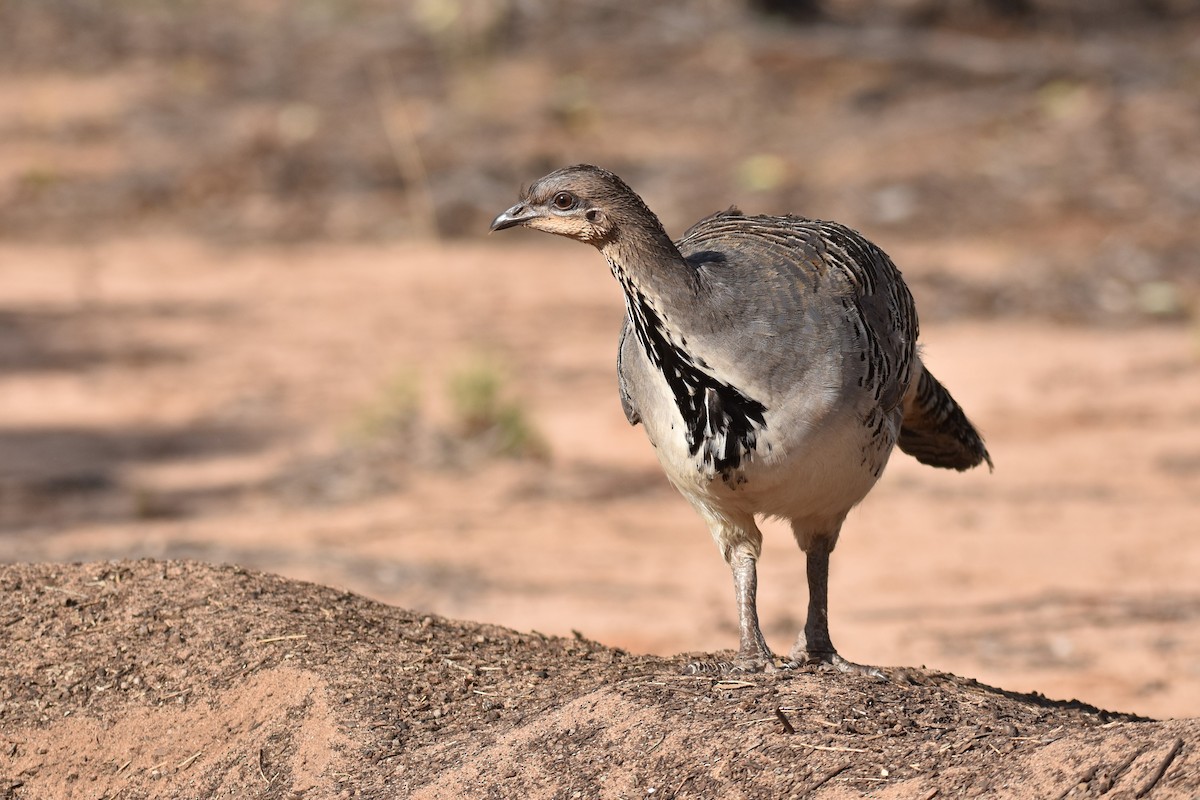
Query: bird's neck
[645, 261]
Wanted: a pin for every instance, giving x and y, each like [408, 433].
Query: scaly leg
[740, 542]
[753, 653]
[813, 643]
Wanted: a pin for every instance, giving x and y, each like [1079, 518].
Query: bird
[773, 364]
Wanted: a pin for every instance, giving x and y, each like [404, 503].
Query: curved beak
[519, 214]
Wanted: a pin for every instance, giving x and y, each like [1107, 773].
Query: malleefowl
[773, 363]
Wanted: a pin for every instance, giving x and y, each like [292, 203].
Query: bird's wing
[627, 404]
[787, 285]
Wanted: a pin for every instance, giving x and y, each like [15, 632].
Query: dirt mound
[180, 679]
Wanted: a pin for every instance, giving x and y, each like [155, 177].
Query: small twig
[1086, 777]
[262, 767]
[679, 788]
[733, 684]
[188, 761]
[1112, 778]
[787, 723]
[932, 793]
[287, 638]
[827, 777]
[1162, 769]
[123, 767]
[654, 747]
[746, 722]
[832, 749]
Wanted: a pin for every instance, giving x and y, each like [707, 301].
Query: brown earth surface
[178, 679]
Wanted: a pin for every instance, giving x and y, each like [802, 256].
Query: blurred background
[248, 312]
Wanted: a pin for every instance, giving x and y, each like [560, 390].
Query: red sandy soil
[176, 679]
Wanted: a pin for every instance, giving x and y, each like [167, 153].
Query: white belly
[811, 464]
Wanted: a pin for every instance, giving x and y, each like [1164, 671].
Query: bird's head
[582, 202]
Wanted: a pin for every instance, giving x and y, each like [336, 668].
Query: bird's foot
[738, 665]
[831, 657]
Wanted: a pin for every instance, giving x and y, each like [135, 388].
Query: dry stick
[262, 773]
[679, 788]
[1108, 782]
[746, 722]
[287, 638]
[188, 761]
[402, 140]
[787, 724]
[1162, 769]
[832, 749]
[1086, 777]
[827, 777]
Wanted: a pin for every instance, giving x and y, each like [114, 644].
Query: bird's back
[793, 293]
[814, 305]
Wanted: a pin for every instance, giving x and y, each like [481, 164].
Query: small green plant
[483, 412]
[395, 412]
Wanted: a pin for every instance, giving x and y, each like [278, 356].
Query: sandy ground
[163, 679]
[169, 399]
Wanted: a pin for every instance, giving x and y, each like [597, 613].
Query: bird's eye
[563, 201]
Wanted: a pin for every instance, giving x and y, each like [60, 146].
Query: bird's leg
[813, 643]
[753, 653]
[740, 542]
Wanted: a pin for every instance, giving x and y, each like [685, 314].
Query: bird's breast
[809, 454]
[719, 423]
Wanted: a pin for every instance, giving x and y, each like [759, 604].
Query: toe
[842, 665]
[833, 659]
[735, 666]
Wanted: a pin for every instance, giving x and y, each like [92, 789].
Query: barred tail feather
[935, 431]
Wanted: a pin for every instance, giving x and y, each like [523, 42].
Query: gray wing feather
[627, 340]
[783, 271]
